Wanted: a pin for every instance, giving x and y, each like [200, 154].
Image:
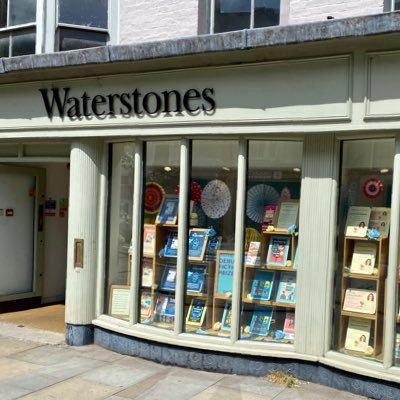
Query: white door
[21, 231]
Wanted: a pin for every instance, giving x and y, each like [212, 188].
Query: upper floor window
[232, 15]
[82, 24]
[17, 27]
[396, 5]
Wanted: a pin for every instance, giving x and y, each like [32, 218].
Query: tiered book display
[363, 274]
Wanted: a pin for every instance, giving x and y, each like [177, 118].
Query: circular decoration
[215, 199]
[153, 197]
[373, 188]
[257, 197]
[195, 192]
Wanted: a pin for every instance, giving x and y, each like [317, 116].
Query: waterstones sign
[60, 102]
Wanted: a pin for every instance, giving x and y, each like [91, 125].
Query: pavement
[37, 364]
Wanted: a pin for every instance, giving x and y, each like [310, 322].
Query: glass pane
[397, 4]
[266, 13]
[4, 45]
[73, 39]
[160, 233]
[211, 236]
[23, 43]
[22, 12]
[92, 13]
[3, 13]
[271, 241]
[231, 15]
[363, 232]
[120, 230]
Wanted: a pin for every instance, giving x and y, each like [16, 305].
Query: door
[21, 231]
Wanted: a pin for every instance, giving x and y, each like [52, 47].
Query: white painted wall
[144, 20]
[301, 11]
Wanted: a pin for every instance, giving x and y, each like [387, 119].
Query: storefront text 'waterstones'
[58, 101]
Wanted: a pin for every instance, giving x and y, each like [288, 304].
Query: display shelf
[269, 303]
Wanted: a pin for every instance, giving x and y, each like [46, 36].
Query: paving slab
[10, 368]
[9, 392]
[30, 334]
[97, 353]
[10, 346]
[221, 392]
[31, 381]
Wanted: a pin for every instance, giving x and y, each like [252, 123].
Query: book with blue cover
[197, 244]
[165, 309]
[278, 251]
[171, 247]
[195, 277]
[262, 284]
[213, 244]
[168, 280]
[287, 288]
[226, 322]
[197, 312]
[261, 321]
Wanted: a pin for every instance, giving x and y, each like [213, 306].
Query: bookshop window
[211, 236]
[271, 238]
[363, 246]
[160, 234]
[118, 274]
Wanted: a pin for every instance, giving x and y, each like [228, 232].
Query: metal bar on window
[82, 27]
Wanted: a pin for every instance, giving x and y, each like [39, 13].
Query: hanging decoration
[195, 192]
[257, 197]
[215, 199]
[153, 197]
[372, 188]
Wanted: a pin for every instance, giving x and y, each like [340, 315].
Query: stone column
[85, 170]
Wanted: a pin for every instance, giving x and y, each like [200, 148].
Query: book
[287, 288]
[270, 213]
[288, 214]
[261, 287]
[357, 221]
[288, 326]
[358, 334]
[226, 322]
[363, 259]
[213, 244]
[197, 244]
[380, 220]
[261, 321]
[171, 247]
[397, 349]
[197, 312]
[195, 277]
[360, 300]
[165, 309]
[168, 280]
[296, 258]
[253, 254]
[146, 303]
[147, 272]
[149, 235]
[278, 251]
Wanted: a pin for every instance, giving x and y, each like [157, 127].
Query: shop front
[237, 217]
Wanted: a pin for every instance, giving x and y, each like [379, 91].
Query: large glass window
[271, 241]
[17, 27]
[211, 236]
[82, 24]
[363, 246]
[232, 15]
[118, 276]
[160, 234]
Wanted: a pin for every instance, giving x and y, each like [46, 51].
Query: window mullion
[252, 14]
[212, 16]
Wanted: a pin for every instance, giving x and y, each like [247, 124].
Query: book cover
[278, 251]
[261, 321]
[270, 213]
[357, 221]
[147, 272]
[253, 254]
[171, 247]
[363, 260]
[380, 220]
[288, 326]
[195, 277]
[287, 288]
[226, 322]
[213, 244]
[262, 284]
[145, 304]
[197, 244]
[360, 300]
[197, 312]
[149, 235]
[168, 280]
[165, 309]
[288, 214]
[358, 334]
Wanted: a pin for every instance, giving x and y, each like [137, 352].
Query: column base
[79, 335]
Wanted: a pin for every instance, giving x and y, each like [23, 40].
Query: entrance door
[21, 231]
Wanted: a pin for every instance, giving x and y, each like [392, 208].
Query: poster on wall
[50, 207]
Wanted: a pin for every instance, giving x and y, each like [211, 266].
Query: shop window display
[271, 241]
[363, 247]
[160, 234]
[120, 230]
[209, 267]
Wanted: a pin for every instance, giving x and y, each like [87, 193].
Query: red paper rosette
[373, 188]
[195, 192]
[153, 197]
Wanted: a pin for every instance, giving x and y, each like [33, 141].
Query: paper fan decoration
[257, 197]
[215, 199]
[195, 191]
[153, 197]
